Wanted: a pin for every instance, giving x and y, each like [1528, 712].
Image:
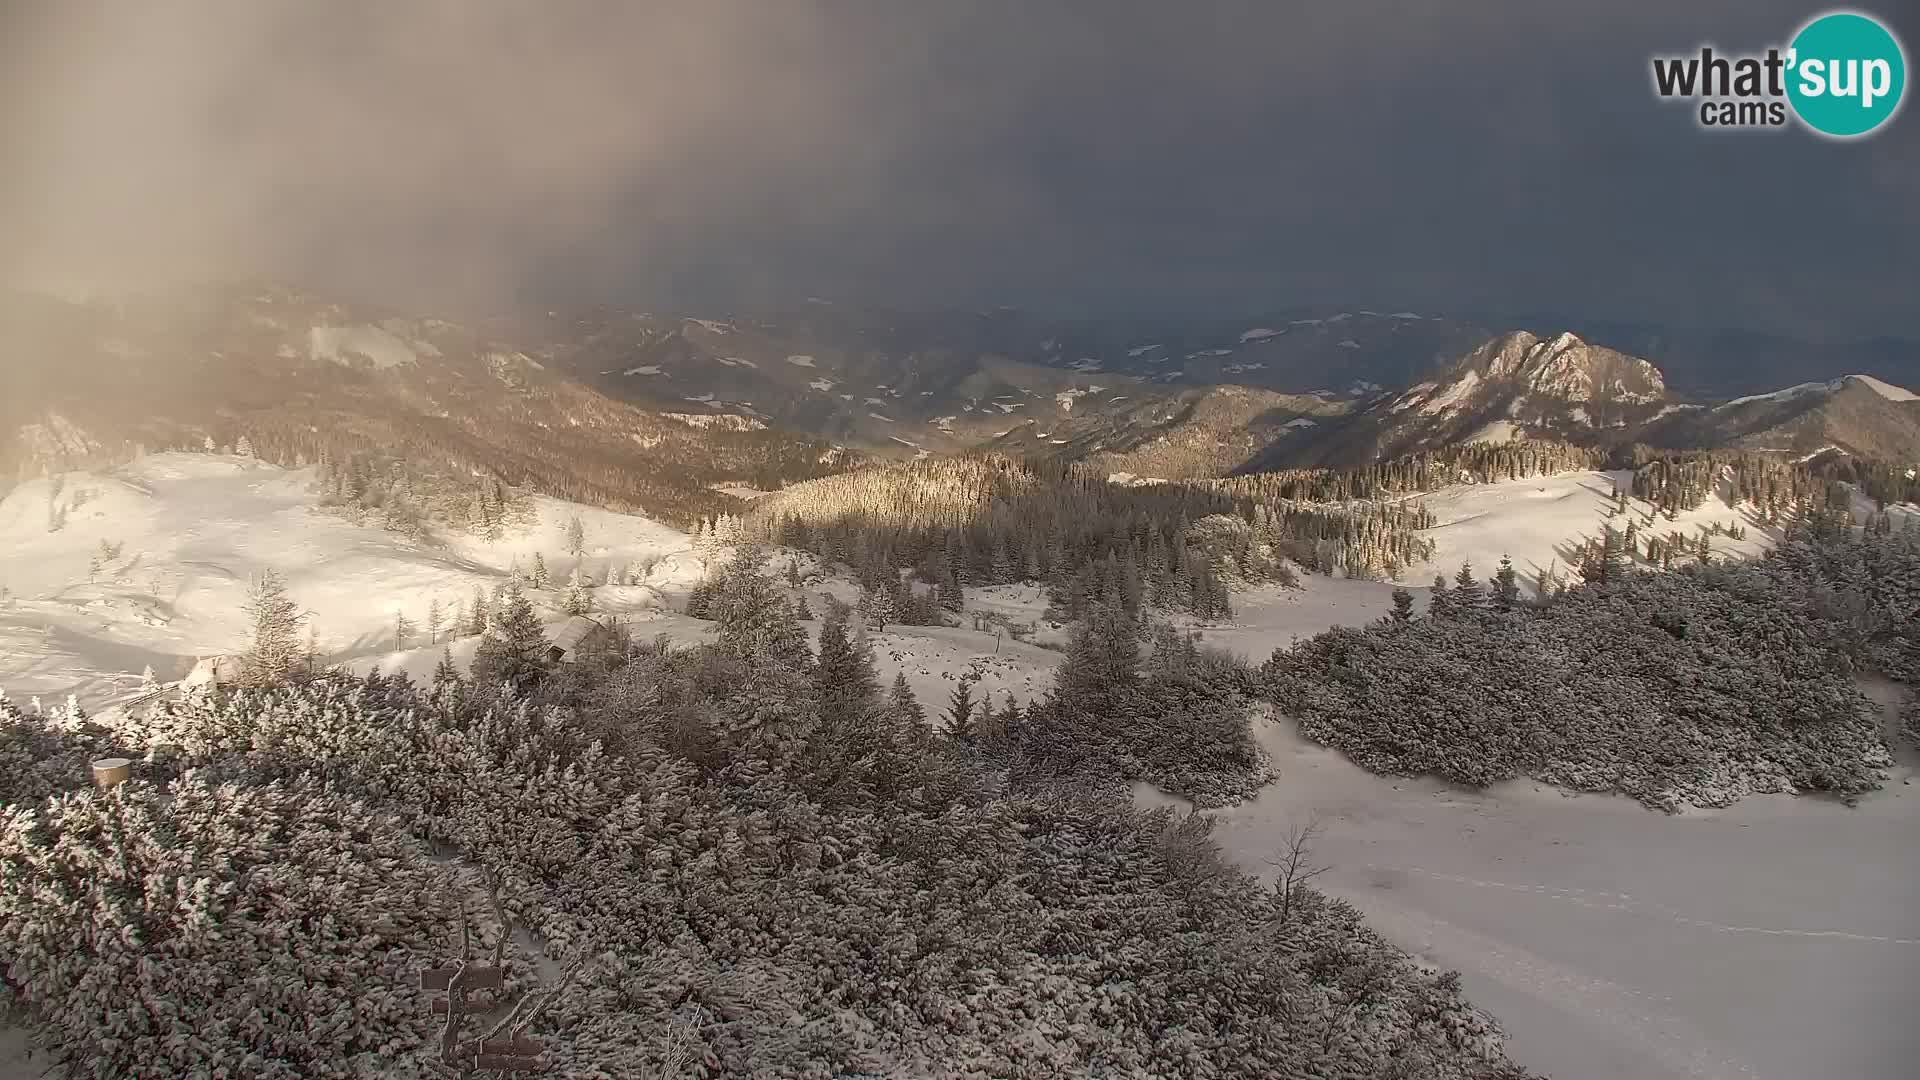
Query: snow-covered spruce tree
[514, 648]
[1402, 605]
[843, 675]
[576, 536]
[1468, 594]
[1506, 585]
[906, 708]
[274, 654]
[577, 599]
[753, 619]
[540, 578]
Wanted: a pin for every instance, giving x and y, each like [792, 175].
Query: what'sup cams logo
[1843, 76]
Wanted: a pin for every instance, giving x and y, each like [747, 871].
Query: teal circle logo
[1846, 74]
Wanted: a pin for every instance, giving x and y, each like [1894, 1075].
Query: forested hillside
[749, 861]
[298, 380]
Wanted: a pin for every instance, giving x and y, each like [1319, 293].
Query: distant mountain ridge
[299, 376]
[571, 398]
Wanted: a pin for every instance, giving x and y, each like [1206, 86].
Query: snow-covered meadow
[192, 529]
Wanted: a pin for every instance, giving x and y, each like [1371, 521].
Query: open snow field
[193, 529]
[1777, 939]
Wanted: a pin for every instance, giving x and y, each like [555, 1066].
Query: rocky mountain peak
[1564, 367]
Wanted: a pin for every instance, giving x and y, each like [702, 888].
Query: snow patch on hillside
[1497, 431]
[800, 360]
[194, 528]
[1544, 522]
[717, 421]
[1885, 390]
[347, 345]
[1459, 391]
[1259, 333]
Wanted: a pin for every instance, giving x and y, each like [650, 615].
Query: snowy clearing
[1615, 943]
[193, 528]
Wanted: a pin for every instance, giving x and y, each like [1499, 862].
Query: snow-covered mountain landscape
[930, 542]
[1517, 885]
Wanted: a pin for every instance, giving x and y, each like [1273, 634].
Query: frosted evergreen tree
[1439, 602]
[147, 679]
[1468, 594]
[480, 614]
[244, 447]
[576, 536]
[540, 578]
[274, 655]
[1613, 556]
[1103, 654]
[800, 609]
[403, 630]
[959, 719]
[577, 599]
[1506, 585]
[444, 672]
[436, 621]
[514, 648]
[753, 620]
[876, 607]
[906, 708]
[1402, 605]
[843, 674]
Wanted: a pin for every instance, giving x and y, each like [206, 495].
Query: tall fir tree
[514, 648]
[1402, 605]
[576, 537]
[1439, 600]
[959, 720]
[1506, 585]
[1468, 595]
[275, 654]
[843, 675]
[577, 599]
[906, 708]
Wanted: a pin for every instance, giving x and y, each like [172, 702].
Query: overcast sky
[1097, 157]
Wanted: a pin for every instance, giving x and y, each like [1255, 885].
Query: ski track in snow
[1613, 901]
[1620, 1010]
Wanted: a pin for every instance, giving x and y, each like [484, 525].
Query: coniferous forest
[747, 862]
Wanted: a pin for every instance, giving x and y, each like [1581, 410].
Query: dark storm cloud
[1098, 155]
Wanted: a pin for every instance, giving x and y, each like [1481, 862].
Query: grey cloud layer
[1088, 155]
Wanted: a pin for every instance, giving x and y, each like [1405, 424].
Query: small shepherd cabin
[214, 671]
[571, 635]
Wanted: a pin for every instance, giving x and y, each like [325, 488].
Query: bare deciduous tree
[1295, 867]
